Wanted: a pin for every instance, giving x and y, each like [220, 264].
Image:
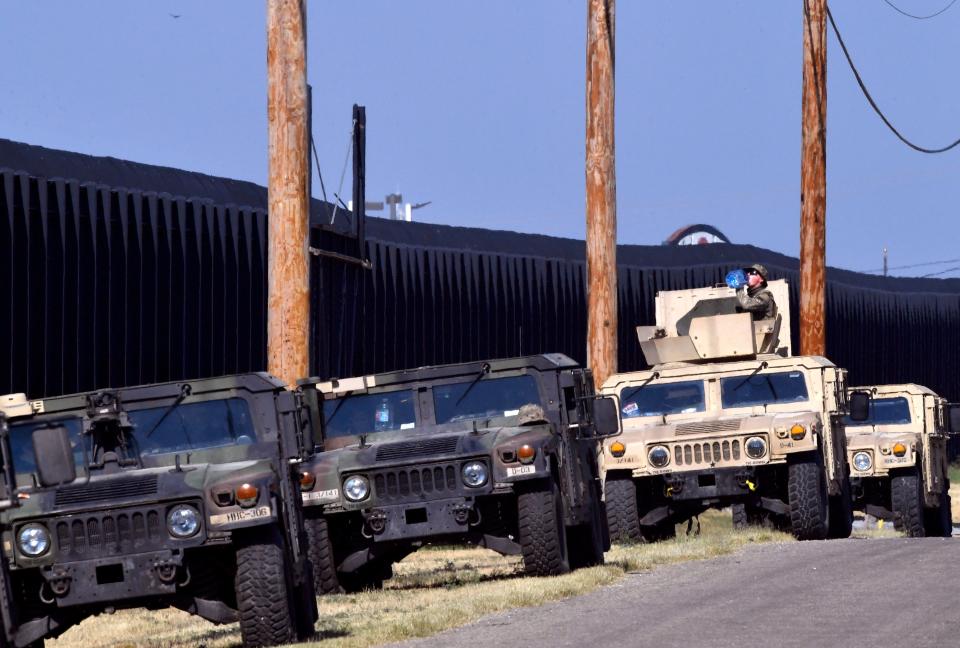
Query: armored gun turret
[705, 325]
[726, 416]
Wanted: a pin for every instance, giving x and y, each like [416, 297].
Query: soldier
[754, 297]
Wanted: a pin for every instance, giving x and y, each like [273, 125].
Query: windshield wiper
[484, 370]
[761, 367]
[773, 390]
[185, 390]
[653, 376]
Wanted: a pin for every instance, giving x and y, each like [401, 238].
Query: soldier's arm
[755, 304]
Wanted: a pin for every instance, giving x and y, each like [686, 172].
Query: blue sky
[479, 107]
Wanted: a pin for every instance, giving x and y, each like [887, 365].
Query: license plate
[240, 516]
[521, 470]
[332, 495]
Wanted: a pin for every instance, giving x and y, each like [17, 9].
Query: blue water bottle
[736, 278]
[382, 421]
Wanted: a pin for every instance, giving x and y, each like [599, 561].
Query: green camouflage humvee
[898, 458]
[500, 454]
[177, 494]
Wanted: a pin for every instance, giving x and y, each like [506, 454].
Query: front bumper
[113, 579]
[718, 483]
[422, 520]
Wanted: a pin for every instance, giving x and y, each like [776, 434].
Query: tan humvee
[726, 416]
[898, 459]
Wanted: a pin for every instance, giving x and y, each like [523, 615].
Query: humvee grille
[414, 482]
[113, 489]
[418, 448]
[706, 453]
[706, 427]
[110, 533]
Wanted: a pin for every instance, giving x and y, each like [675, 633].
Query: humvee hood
[734, 425]
[427, 447]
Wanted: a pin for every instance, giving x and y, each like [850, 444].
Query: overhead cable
[934, 274]
[910, 15]
[913, 265]
[873, 104]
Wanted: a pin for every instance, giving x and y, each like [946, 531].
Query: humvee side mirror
[53, 455]
[953, 417]
[859, 406]
[606, 416]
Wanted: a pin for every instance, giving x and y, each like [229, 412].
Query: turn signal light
[247, 495]
[526, 453]
[899, 449]
[617, 449]
[797, 432]
[307, 480]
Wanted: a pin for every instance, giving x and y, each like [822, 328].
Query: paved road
[877, 592]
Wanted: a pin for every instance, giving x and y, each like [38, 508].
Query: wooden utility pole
[288, 296]
[601, 192]
[813, 180]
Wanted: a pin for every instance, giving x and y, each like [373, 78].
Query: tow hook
[59, 583]
[377, 521]
[745, 480]
[166, 571]
[674, 487]
[461, 513]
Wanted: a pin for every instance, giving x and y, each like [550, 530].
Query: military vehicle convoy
[177, 494]
[897, 451]
[714, 423]
[500, 454]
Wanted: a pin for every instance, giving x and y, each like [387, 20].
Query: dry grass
[433, 590]
[954, 475]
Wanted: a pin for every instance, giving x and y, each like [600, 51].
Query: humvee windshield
[490, 398]
[662, 399]
[885, 411]
[763, 389]
[367, 413]
[189, 426]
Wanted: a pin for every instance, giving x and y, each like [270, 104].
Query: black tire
[541, 532]
[623, 518]
[906, 496]
[807, 498]
[748, 514]
[320, 553]
[938, 522]
[264, 595]
[368, 577]
[841, 512]
[659, 532]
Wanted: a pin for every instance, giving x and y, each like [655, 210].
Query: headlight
[617, 449]
[34, 540]
[862, 461]
[658, 456]
[899, 449]
[356, 488]
[183, 521]
[755, 447]
[797, 432]
[474, 474]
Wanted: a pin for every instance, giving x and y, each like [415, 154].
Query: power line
[910, 15]
[934, 274]
[914, 265]
[873, 104]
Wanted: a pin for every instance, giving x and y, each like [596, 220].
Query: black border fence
[117, 273]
